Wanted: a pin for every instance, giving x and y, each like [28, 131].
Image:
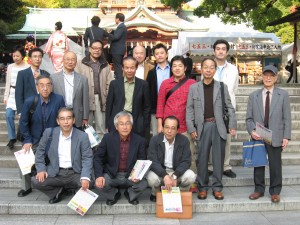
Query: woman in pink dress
[57, 45]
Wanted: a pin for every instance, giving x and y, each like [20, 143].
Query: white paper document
[93, 136]
[264, 133]
[140, 169]
[25, 161]
[82, 201]
[171, 200]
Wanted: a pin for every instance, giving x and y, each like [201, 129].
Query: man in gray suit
[204, 118]
[70, 158]
[74, 88]
[270, 106]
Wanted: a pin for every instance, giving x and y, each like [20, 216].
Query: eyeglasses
[36, 57]
[44, 86]
[124, 124]
[65, 118]
[96, 49]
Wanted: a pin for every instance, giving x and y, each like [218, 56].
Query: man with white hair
[139, 53]
[115, 158]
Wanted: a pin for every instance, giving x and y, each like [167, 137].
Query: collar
[209, 85]
[173, 79]
[166, 141]
[167, 67]
[265, 90]
[64, 137]
[70, 74]
[127, 139]
[42, 100]
[126, 81]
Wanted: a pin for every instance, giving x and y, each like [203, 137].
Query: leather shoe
[132, 202]
[57, 198]
[202, 195]
[218, 195]
[229, 173]
[275, 198]
[114, 201]
[152, 198]
[256, 195]
[23, 193]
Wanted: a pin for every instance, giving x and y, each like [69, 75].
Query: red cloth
[176, 104]
[124, 149]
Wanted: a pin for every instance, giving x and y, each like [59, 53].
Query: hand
[85, 184]
[174, 182]
[100, 182]
[194, 135]
[85, 122]
[41, 176]
[159, 129]
[168, 182]
[232, 132]
[135, 180]
[27, 147]
[284, 143]
[255, 136]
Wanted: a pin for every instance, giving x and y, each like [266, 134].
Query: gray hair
[123, 113]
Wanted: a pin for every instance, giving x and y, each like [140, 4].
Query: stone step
[241, 116]
[243, 135]
[242, 107]
[9, 177]
[244, 99]
[241, 125]
[248, 89]
[288, 158]
[237, 147]
[236, 200]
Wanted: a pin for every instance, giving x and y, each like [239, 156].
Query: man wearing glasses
[44, 116]
[97, 70]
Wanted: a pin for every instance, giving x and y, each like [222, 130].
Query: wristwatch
[174, 176]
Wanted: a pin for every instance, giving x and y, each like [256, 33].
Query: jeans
[10, 123]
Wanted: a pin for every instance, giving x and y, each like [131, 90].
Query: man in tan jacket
[139, 53]
[97, 70]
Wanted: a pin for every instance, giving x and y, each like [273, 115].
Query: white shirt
[169, 153]
[140, 71]
[230, 76]
[69, 87]
[64, 150]
[33, 71]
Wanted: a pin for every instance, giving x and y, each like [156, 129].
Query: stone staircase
[236, 190]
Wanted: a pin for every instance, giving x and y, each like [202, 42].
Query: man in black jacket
[170, 154]
[115, 158]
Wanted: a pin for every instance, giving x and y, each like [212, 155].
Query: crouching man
[170, 154]
[70, 158]
[114, 159]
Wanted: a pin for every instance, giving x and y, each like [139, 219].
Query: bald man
[74, 88]
[139, 53]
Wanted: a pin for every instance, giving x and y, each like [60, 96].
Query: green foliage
[9, 9]
[175, 4]
[47, 3]
[83, 4]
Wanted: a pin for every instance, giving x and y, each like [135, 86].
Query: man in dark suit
[74, 88]
[189, 65]
[171, 159]
[70, 158]
[93, 33]
[44, 116]
[131, 94]
[114, 159]
[26, 79]
[118, 44]
[270, 106]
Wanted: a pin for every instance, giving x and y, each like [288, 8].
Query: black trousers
[275, 167]
[117, 60]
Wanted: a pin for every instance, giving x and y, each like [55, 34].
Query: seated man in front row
[114, 159]
[170, 154]
[70, 156]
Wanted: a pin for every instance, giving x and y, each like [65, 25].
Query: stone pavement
[232, 218]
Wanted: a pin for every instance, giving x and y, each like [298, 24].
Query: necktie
[267, 110]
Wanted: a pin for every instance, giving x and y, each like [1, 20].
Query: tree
[9, 10]
[47, 3]
[83, 4]
[256, 13]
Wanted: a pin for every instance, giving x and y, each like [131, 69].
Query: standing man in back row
[229, 75]
[118, 44]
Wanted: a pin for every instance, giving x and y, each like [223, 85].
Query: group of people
[190, 138]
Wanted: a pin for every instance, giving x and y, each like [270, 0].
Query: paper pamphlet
[171, 200]
[140, 169]
[264, 132]
[25, 161]
[82, 201]
[93, 136]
